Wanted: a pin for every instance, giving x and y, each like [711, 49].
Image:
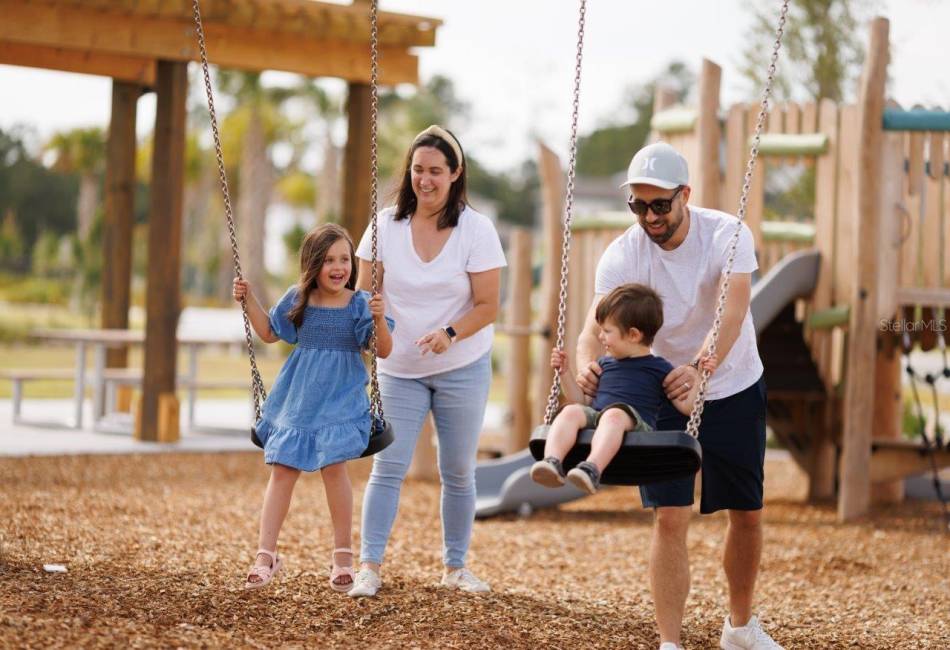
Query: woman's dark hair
[406, 197]
[313, 253]
[633, 305]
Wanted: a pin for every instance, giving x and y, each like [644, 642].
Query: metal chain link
[692, 427]
[257, 384]
[376, 402]
[568, 213]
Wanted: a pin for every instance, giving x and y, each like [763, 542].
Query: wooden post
[163, 296]
[854, 498]
[518, 317]
[356, 162]
[705, 178]
[552, 201]
[888, 409]
[119, 214]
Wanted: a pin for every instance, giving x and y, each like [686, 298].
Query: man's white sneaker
[464, 580]
[367, 583]
[749, 637]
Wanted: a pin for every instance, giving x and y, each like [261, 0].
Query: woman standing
[440, 265]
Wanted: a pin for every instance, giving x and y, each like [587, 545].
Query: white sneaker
[669, 645]
[367, 583]
[749, 637]
[464, 580]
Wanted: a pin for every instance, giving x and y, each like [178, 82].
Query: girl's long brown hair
[406, 197]
[313, 253]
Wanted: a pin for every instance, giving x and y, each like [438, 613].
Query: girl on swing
[629, 395]
[317, 415]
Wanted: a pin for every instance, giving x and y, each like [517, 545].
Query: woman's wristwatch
[451, 333]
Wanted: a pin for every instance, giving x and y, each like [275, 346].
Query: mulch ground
[156, 549]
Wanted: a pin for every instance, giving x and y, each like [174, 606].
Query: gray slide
[503, 485]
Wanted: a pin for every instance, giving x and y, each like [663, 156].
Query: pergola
[145, 46]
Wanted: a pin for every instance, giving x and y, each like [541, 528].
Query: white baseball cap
[659, 165]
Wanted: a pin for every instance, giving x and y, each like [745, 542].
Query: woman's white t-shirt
[422, 296]
[687, 279]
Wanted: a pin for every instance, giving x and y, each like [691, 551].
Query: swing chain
[257, 384]
[692, 428]
[376, 402]
[552, 405]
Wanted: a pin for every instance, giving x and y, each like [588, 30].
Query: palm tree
[81, 152]
[251, 127]
[331, 112]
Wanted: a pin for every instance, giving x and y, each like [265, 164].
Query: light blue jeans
[457, 400]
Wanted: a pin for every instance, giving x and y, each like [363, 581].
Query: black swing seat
[644, 457]
[380, 437]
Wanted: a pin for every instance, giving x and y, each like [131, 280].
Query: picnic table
[98, 341]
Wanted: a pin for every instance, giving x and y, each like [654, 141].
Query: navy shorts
[732, 435]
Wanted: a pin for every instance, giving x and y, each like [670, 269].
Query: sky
[513, 62]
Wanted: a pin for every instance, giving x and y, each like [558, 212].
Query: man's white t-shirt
[422, 296]
[687, 279]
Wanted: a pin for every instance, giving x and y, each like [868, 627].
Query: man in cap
[680, 251]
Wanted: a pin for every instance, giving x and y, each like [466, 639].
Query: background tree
[254, 124]
[823, 49]
[82, 152]
[823, 52]
[608, 149]
[329, 111]
[36, 199]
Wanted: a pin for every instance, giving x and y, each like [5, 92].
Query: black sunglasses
[659, 206]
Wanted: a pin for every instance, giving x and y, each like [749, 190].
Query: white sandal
[337, 571]
[265, 573]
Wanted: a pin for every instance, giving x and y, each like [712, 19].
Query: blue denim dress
[317, 412]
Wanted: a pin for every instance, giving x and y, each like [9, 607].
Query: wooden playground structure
[882, 227]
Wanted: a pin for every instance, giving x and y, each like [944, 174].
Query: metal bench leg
[192, 381]
[80, 393]
[17, 399]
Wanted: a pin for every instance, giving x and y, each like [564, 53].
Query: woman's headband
[439, 132]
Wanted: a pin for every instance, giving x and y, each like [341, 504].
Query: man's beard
[664, 236]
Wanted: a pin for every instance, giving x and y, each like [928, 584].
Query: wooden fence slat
[736, 153]
[945, 246]
[756, 203]
[809, 124]
[793, 125]
[916, 162]
[825, 184]
[847, 206]
[931, 226]
[913, 203]
[892, 161]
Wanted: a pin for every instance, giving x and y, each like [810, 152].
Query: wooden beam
[356, 162]
[894, 460]
[932, 297]
[708, 134]
[854, 498]
[124, 68]
[119, 217]
[247, 48]
[163, 296]
[675, 120]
